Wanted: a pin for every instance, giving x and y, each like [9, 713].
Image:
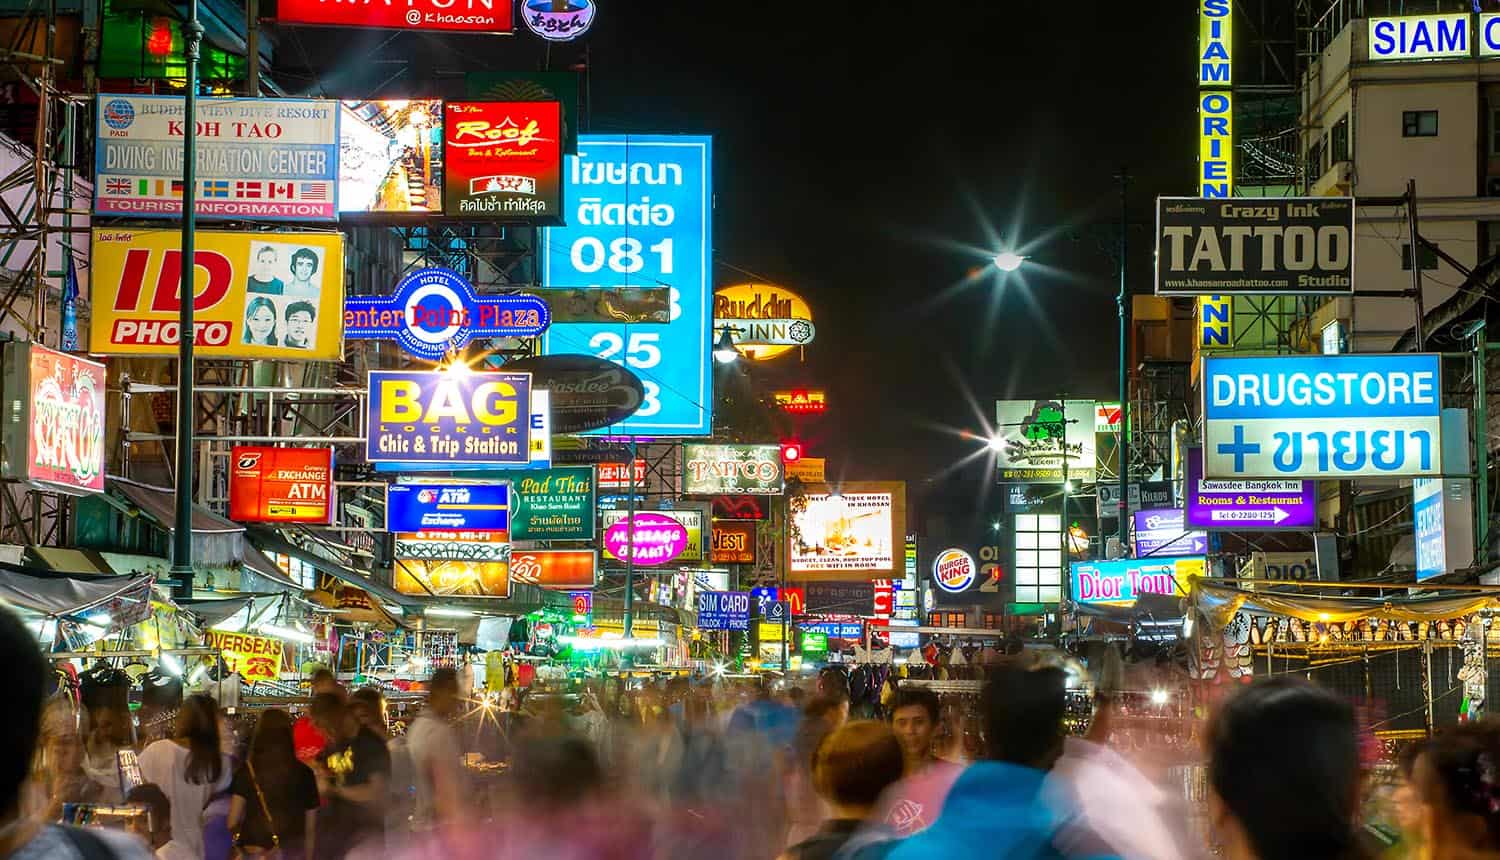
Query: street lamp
[1008, 261]
[725, 352]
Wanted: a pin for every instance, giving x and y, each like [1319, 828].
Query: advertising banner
[1279, 246]
[553, 504]
[616, 476]
[724, 610]
[1121, 582]
[453, 507]
[1443, 516]
[540, 446]
[281, 485]
[453, 546]
[257, 295]
[648, 538]
[478, 16]
[1150, 494]
[857, 534]
[642, 305]
[257, 158]
[452, 578]
[560, 87]
[62, 415]
[733, 542]
[1163, 531]
[503, 161]
[391, 158]
[587, 392]
[435, 311]
[1237, 505]
[737, 470]
[740, 507]
[808, 470]
[802, 401]
[255, 658]
[436, 416]
[651, 530]
[642, 218]
[1035, 434]
[1420, 37]
[1322, 416]
[555, 569]
[839, 598]
[763, 320]
[954, 571]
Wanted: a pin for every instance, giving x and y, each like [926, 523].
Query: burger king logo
[954, 570]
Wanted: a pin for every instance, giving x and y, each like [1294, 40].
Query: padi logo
[248, 460]
[119, 114]
[1157, 521]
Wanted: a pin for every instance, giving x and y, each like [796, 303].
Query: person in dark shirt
[355, 768]
[263, 275]
[850, 770]
[274, 797]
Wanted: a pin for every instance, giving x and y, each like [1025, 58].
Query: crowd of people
[697, 772]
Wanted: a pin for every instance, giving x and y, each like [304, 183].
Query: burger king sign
[954, 570]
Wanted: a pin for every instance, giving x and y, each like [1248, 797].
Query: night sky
[854, 140]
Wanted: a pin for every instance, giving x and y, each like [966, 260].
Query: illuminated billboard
[435, 416]
[503, 161]
[391, 157]
[471, 16]
[280, 485]
[857, 533]
[54, 431]
[763, 320]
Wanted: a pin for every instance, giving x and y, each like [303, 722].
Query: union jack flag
[314, 191]
[249, 190]
[117, 186]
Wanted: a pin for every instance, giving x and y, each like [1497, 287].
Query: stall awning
[63, 595]
[271, 540]
[1218, 603]
[217, 542]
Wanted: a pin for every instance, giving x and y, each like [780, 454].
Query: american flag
[314, 191]
[248, 190]
[275, 190]
[117, 186]
[216, 188]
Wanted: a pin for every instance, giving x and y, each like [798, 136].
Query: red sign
[469, 16]
[885, 598]
[281, 485]
[796, 600]
[555, 569]
[503, 161]
[737, 507]
[67, 421]
[733, 543]
[614, 477]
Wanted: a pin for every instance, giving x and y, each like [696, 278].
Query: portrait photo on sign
[282, 294]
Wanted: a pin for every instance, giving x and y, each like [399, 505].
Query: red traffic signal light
[791, 451]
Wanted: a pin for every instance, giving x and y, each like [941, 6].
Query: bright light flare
[1160, 696]
[1008, 261]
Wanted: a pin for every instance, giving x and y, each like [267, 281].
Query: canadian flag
[275, 190]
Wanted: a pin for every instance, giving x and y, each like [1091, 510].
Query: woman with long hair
[260, 322]
[1457, 780]
[273, 796]
[190, 767]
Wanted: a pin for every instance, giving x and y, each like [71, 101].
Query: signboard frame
[1322, 278]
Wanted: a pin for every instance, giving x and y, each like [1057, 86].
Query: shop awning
[270, 540]
[69, 560]
[64, 595]
[217, 542]
[1217, 604]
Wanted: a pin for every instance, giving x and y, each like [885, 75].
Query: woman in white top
[189, 768]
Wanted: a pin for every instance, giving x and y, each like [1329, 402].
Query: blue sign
[447, 507]
[835, 629]
[435, 311]
[1322, 416]
[724, 610]
[641, 216]
[1427, 513]
[764, 597]
[1163, 531]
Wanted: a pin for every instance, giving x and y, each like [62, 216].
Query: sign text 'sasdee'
[1322, 416]
[280, 485]
[255, 295]
[443, 417]
[1294, 246]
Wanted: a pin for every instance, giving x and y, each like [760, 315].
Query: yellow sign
[255, 658]
[1215, 43]
[1215, 322]
[808, 470]
[256, 295]
[1215, 144]
[772, 631]
[763, 320]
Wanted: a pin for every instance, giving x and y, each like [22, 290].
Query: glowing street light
[725, 352]
[1008, 261]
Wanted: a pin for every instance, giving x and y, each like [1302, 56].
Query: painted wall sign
[1290, 246]
[437, 416]
[1040, 434]
[857, 534]
[503, 160]
[1322, 416]
[451, 578]
[556, 569]
[391, 158]
[1162, 531]
[272, 159]
[643, 218]
[733, 542]
[753, 470]
[724, 610]
[453, 546]
[255, 658]
[447, 506]
[256, 295]
[1419, 37]
[281, 485]
[1240, 505]
[650, 538]
[1121, 582]
[763, 320]
[954, 570]
[435, 311]
[587, 393]
[471, 16]
[62, 417]
[559, 20]
[553, 504]
[1215, 143]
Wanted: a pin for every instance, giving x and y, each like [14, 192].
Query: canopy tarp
[56, 596]
[1217, 604]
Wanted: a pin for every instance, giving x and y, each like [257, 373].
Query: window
[1338, 141]
[1419, 123]
[1039, 558]
[1429, 258]
[1495, 131]
[1315, 161]
[991, 621]
[958, 619]
[935, 619]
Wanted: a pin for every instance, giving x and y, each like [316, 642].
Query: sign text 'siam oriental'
[447, 417]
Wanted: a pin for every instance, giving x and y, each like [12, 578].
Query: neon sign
[436, 310]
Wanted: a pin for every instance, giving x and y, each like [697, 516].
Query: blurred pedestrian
[158, 829]
[1406, 805]
[309, 740]
[1283, 773]
[912, 804]
[353, 776]
[273, 796]
[189, 768]
[23, 837]
[1457, 777]
[851, 768]
[436, 756]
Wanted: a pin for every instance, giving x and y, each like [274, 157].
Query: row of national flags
[220, 189]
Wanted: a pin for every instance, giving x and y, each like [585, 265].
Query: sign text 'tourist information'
[1322, 416]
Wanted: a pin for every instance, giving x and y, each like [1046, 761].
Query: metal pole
[252, 48]
[1481, 446]
[625, 656]
[1416, 262]
[1427, 681]
[786, 614]
[1124, 441]
[182, 534]
[1061, 578]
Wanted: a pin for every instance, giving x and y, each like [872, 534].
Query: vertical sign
[1215, 322]
[641, 217]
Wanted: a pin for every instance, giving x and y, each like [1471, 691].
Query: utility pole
[182, 534]
[1416, 263]
[1124, 440]
[629, 633]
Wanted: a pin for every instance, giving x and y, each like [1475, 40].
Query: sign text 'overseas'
[1290, 245]
[449, 417]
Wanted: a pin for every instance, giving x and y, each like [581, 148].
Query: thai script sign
[556, 569]
[257, 158]
[642, 218]
[437, 416]
[733, 542]
[256, 295]
[753, 470]
[281, 485]
[451, 578]
[649, 538]
[1292, 245]
[1123, 581]
[553, 504]
[443, 506]
[503, 160]
[764, 321]
[255, 658]
[1162, 531]
[471, 16]
[62, 416]
[724, 610]
[1322, 416]
[434, 311]
[1038, 436]
[1238, 505]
